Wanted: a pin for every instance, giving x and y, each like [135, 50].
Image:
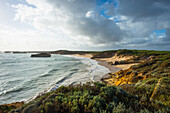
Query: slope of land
[150, 79]
[88, 98]
[142, 86]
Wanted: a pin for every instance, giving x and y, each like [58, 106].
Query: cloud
[27, 39]
[75, 18]
[89, 23]
[143, 18]
[144, 8]
[90, 14]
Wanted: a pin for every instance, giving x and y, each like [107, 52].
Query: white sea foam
[95, 71]
[38, 76]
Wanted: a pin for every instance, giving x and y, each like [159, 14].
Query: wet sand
[105, 62]
[111, 68]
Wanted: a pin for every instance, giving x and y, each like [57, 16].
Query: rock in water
[41, 55]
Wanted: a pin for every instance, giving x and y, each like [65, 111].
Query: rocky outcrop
[41, 55]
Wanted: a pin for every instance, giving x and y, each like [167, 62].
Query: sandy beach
[83, 55]
[106, 62]
[111, 68]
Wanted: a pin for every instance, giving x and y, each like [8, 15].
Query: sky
[43, 25]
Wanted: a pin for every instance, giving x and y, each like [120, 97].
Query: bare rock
[41, 55]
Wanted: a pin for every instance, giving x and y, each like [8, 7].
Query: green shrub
[75, 109]
[85, 99]
[120, 108]
[49, 108]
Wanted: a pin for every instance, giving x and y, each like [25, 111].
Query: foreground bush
[88, 98]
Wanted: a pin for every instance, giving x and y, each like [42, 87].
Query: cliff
[150, 78]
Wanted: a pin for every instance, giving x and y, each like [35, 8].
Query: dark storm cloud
[153, 15]
[138, 9]
[76, 7]
[146, 15]
[87, 18]
[100, 29]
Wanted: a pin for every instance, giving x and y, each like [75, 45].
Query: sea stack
[41, 55]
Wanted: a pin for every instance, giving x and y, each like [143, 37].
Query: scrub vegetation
[143, 88]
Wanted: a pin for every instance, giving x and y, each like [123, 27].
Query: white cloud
[79, 24]
[74, 18]
[18, 39]
[89, 14]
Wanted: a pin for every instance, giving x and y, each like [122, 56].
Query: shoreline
[101, 61]
[106, 62]
[92, 79]
[111, 68]
[55, 86]
[97, 64]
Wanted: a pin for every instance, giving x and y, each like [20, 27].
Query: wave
[7, 62]
[65, 72]
[46, 75]
[77, 64]
[93, 69]
[10, 62]
[14, 81]
[75, 70]
[52, 88]
[63, 79]
[50, 73]
[5, 74]
[53, 70]
[33, 68]
[13, 90]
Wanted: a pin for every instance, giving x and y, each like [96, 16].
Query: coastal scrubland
[143, 88]
[88, 98]
[150, 79]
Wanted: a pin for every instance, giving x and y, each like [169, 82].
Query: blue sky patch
[102, 8]
[159, 33]
[20, 2]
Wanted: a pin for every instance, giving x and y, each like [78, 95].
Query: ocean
[22, 78]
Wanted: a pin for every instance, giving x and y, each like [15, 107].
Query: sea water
[23, 77]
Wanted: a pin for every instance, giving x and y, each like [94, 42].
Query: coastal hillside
[150, 79]
[142, 88]
[87, 98]
[71, 56]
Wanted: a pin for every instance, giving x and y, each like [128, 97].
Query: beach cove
[95, 69]
[43, 75]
